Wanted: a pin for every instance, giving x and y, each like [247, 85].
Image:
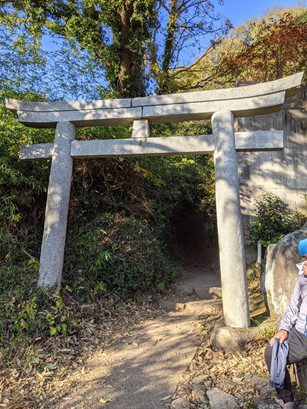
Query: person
[293, 327]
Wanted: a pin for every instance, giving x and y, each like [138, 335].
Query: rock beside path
[230, 339]
[180, 403]
[198, 394]
[221, 400]
[279, 273]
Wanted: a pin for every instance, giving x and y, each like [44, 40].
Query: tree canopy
[137, 42]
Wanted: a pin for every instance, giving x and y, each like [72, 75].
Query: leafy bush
[274, 219]
[119, 255]
[28, 313]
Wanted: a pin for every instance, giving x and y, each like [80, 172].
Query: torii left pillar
[53, 244]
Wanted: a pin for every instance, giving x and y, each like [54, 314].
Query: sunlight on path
[142, 370]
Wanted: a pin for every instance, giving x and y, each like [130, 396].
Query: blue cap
[302, 247]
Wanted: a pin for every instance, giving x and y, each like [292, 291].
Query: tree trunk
[125, 56]
[130, 81]
[172, 26]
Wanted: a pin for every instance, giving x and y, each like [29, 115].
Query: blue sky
[240, 10]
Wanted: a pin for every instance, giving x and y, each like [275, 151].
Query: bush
[119, 254]
[274, 219]
[113, 256]
[28, 313]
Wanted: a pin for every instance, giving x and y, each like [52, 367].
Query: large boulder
[279, 272]
[221, 400]
[279, 275]
[230, 339]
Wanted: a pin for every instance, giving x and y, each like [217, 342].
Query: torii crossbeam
[220, 105]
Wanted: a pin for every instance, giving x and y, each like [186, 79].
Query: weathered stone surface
[230, 339]
[226, 385]
[94, 117]
[36, 151]
[180, 403]
[245, 141]
[199, 307]
[204, 110]
[266, 393]
[229, 223]
[259, 141]
[53, 244]
[51, 106]
[140, 129]
[242, 101]
[258, 381]
[198, 394]
[279, 273]
[221, 400]
[201, 379]
[186, 289]
[202, 292]
[138, 146]
[158, 113]
[289, 84]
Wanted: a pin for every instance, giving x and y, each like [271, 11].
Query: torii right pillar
[229, 222]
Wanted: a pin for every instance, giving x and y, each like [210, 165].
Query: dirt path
[142, 370]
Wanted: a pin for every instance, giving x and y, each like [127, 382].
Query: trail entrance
[221, 106]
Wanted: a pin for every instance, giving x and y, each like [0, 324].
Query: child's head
[302, 248]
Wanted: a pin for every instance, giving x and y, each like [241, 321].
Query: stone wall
[283, 173]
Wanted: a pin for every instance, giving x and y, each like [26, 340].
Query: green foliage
[301, 395]
[21, 184]
[119, 255]
[253, 272]
[28, 313]
[274, 219]
[251, 404]
[268, 332]
[136, 43]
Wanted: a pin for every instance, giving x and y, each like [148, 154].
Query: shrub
[28, 313]
[274, 219]
[119, 254]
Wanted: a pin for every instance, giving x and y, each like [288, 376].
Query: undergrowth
[273, 220]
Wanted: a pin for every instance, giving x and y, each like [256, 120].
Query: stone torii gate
[220, 105]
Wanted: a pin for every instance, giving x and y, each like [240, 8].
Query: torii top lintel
[242, 101]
